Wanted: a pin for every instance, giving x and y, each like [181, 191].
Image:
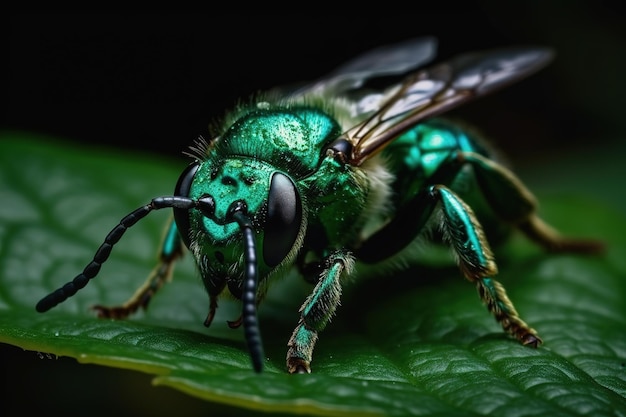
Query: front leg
[317, 311]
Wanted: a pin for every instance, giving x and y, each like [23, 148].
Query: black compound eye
[183, 187]
[284, 218]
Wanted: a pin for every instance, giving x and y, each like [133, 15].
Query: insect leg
[316, 312]
[464, 233]
[171, 250]
[514, 203]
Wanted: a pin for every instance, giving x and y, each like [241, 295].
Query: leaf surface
[415, 343]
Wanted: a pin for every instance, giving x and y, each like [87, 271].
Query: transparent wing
[396, 59]
[434, 90]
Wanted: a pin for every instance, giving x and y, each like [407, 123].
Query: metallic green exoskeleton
[334, 173]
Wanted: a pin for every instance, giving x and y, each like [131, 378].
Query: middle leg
[464, 233]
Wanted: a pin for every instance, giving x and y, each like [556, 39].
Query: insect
[324, 176]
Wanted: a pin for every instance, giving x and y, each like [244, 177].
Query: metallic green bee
[334, 173]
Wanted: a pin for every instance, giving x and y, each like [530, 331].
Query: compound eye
[284, 218]
[183, 188]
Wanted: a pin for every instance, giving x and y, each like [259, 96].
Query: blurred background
[152, 83]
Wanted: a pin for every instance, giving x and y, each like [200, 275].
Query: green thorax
[291, 139]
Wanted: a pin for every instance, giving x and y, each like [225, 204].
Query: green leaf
[414, 343]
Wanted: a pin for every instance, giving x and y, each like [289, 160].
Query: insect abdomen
[418, 155]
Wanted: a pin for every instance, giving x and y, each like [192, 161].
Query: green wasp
[336, 174]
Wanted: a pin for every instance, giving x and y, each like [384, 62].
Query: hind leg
[514, 203]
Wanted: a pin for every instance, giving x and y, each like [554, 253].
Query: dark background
[152, 83]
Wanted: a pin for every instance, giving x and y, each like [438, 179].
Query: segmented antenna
[103, 252]
[206, 205]
[248, 296]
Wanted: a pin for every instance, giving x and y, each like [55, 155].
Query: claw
[235, 323]
[209, 318]
[211, 314]
[298, 366]
[531, 340]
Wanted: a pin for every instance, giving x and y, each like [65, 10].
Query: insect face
[268, 197]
